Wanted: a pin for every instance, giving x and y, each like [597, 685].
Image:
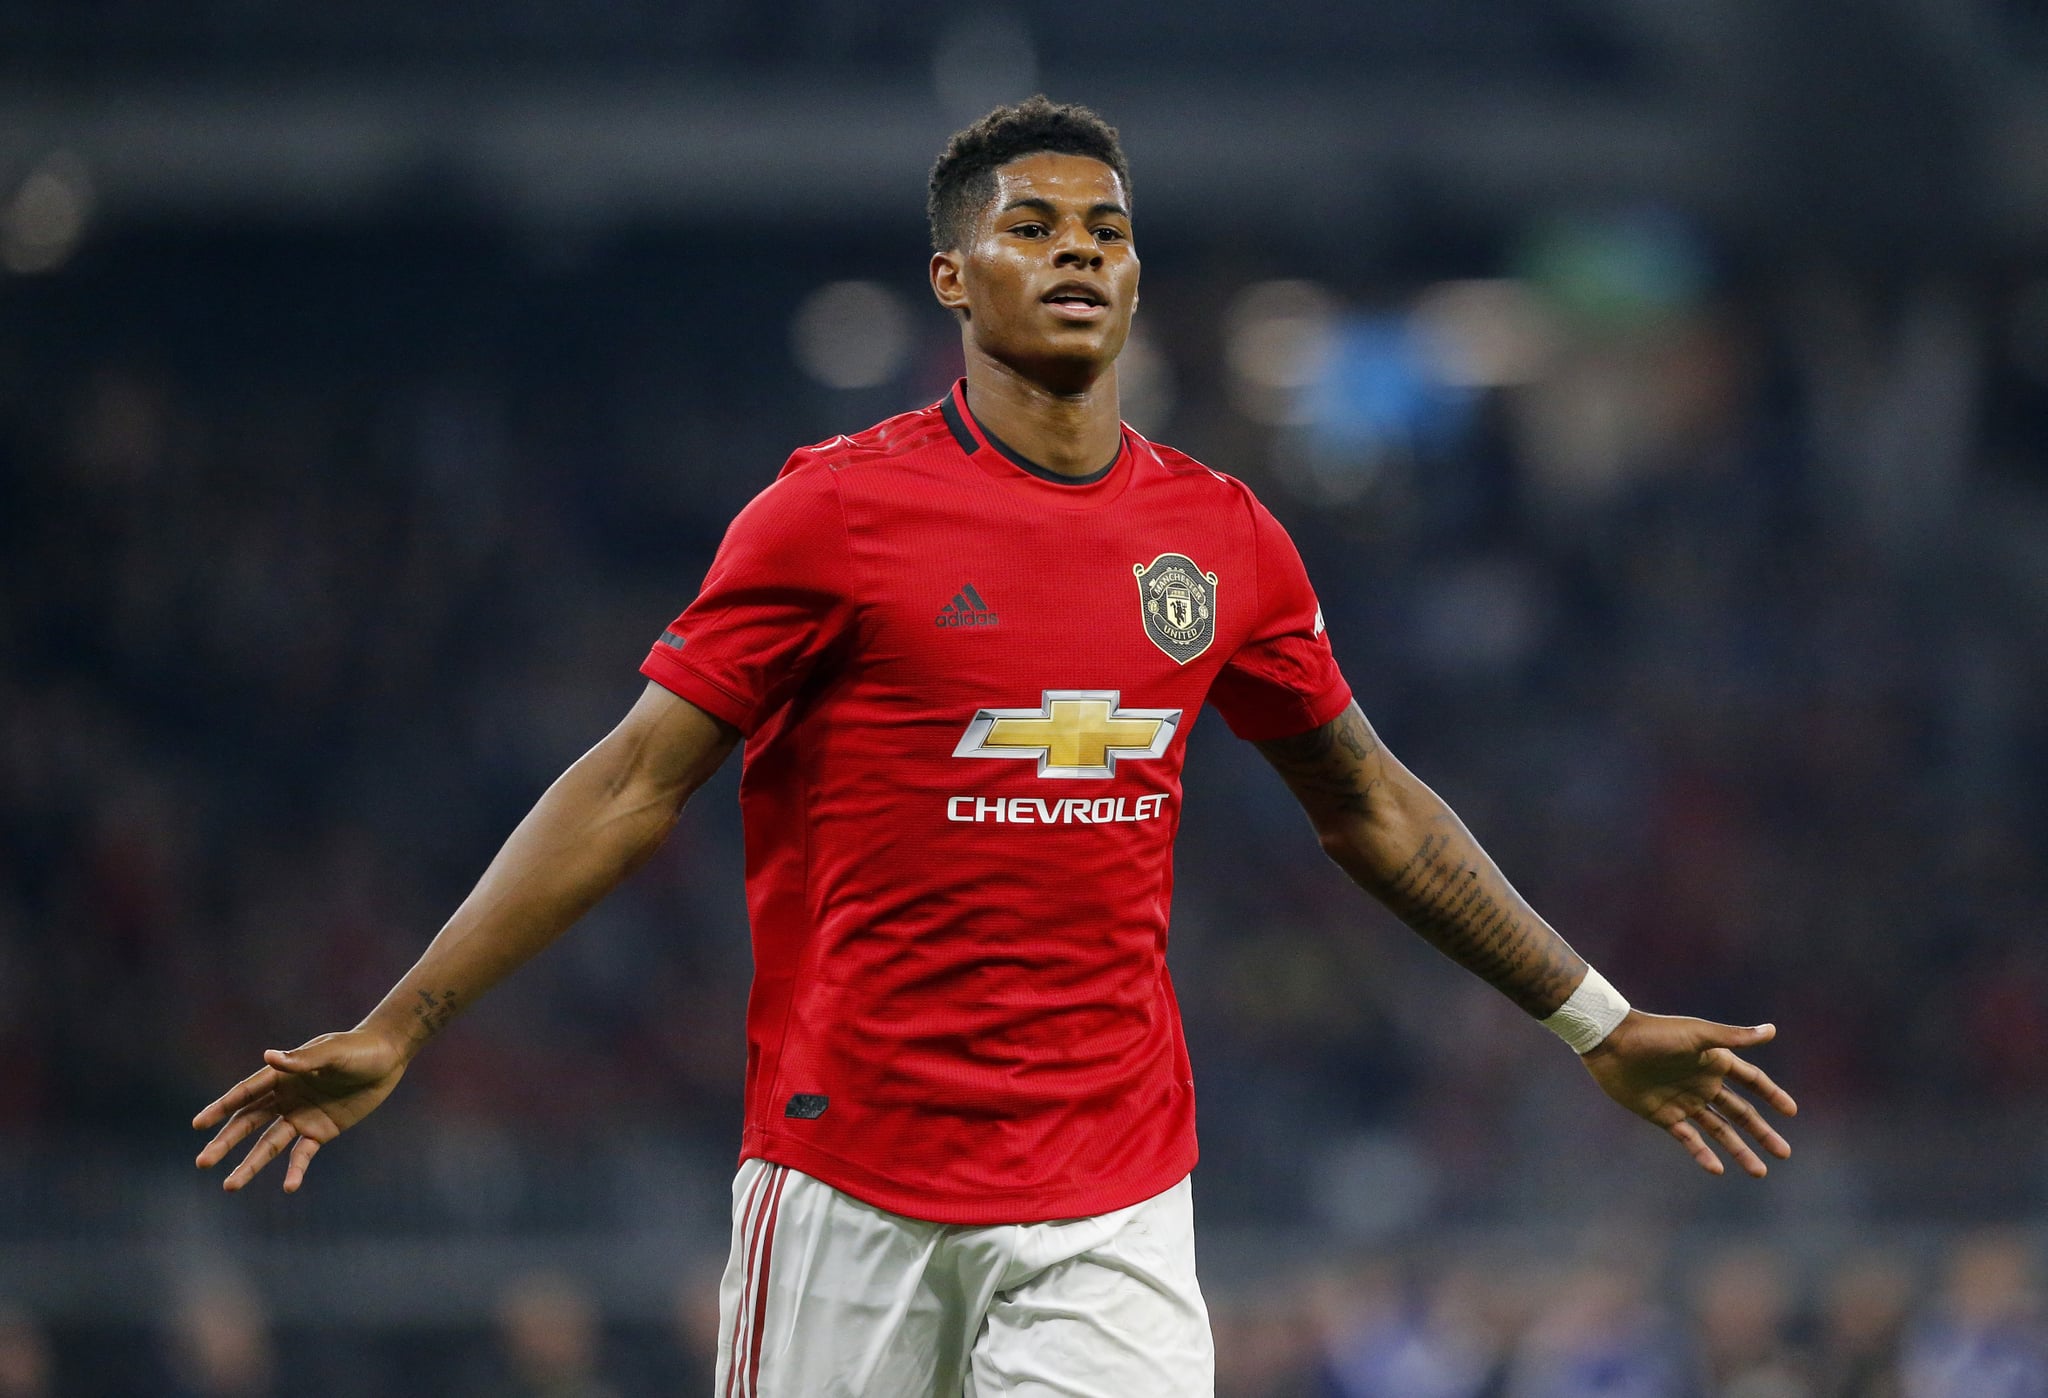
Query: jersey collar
[1000, 456]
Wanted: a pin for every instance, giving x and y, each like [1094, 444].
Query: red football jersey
[966, 686]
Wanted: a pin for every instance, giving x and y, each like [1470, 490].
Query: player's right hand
[309, 1094]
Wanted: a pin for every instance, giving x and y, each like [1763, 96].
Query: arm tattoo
[1330, 767]
[1452, 894]
[434, 1011]
[1362, 802]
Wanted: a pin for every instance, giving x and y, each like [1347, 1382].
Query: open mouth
[1076, 302]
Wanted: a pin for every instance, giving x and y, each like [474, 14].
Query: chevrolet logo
[1072, 733]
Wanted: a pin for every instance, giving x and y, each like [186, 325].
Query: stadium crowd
[1721, 631]
[1609, 1322]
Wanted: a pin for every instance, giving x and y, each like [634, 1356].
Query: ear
[947, 284]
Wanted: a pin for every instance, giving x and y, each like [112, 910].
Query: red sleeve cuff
[667, 668]
[1292, 720]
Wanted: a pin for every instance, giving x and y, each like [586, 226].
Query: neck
[1070, 433]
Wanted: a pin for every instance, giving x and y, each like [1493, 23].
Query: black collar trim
[952, 405]
[958, 425]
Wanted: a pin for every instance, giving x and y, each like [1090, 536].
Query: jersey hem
[987, 1208]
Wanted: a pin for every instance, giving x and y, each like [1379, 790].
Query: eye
[1110, 235]
[1029, 230]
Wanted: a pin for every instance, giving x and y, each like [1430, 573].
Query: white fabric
[1586, 1019]
[851, 1301]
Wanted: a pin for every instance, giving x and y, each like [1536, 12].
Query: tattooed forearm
[1331, 768]
[434, 1011]
[1452, 894]
[1393, 836]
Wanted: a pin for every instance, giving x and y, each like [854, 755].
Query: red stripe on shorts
[739, 1311]
[761, 1305]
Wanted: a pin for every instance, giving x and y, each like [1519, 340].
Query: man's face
[1049, 277]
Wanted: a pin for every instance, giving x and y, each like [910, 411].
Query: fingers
[267, 1148]
[295, 1169]
[1718, 1042]
[1689, 1137]
[1731, 1141]
[280, 1133]
[238, 1126]
[1759, 1082]
[1737, 1109]
[1708, 1034]
[235, 1098]
[278, 1063]
[1718, 1121]
[309, 1057]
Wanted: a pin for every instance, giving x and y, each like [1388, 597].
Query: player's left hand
[1680, 1074]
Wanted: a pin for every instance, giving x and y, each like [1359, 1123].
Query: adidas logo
[966, 609]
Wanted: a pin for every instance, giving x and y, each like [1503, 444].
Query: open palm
[1679, 1073]
[309, 1094]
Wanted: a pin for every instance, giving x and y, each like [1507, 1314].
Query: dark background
[1656, 393]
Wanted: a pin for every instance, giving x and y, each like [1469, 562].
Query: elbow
[1336, 842]
[1367, 846]
[1348, 845]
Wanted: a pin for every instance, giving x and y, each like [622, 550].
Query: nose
[1075, 246]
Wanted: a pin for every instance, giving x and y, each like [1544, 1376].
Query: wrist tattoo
[434, 1011]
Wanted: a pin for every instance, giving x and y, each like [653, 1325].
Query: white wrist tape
[1590, 1015]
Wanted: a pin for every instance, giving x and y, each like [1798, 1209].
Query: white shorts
[826, 1297]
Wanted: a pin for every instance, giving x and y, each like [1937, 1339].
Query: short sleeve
[779, 594]
[1283, 679]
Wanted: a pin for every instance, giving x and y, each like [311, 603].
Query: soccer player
[964, 649]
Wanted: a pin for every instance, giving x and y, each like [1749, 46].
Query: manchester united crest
[1177, 602]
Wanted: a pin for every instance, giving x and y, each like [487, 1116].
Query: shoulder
[1172, 460]
[824, 485]
[1226, 490]
[892, 440]
[800, 509]
[1256, 528]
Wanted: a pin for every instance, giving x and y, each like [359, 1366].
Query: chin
[1070, 359]
[1066, 372]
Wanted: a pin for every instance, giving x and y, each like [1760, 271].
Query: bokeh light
[1278, 339]
[40, 226]
[853, 334]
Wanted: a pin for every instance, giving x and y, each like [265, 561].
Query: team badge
[1177, 603]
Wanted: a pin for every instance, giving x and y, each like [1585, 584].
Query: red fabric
[983, 1002]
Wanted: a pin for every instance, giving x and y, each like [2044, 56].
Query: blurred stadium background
[1657, 392]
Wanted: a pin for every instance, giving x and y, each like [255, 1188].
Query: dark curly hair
[965, 175]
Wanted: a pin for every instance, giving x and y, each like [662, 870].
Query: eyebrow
[1045, 206]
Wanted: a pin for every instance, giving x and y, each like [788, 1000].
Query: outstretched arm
[1400, 842]
[601, 820]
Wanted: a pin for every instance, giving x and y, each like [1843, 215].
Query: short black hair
[965, 175]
